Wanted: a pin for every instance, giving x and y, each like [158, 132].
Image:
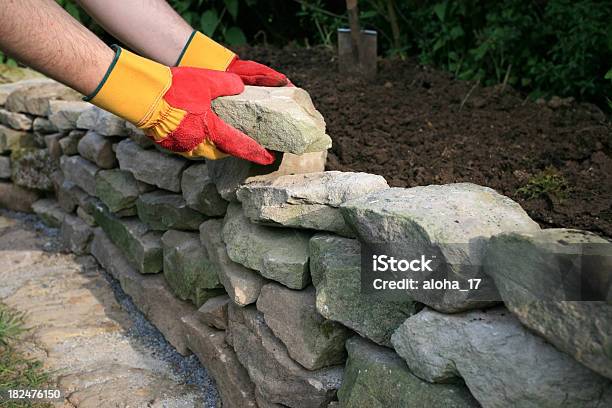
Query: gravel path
[101, 349]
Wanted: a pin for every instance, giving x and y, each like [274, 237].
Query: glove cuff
[132, 88]
[202, 52]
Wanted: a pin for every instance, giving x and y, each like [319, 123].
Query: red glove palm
[254, 73]
[192, 91]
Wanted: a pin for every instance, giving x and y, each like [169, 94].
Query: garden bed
[416, 126]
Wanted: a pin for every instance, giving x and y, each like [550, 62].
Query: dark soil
[416, 125]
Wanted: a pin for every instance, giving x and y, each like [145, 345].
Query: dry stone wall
[256, 269]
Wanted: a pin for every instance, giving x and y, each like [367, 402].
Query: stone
[70, 143]
[141, 246]
[511, 368]
[335, 266]
[278, 254]
[34, 97]
[451, 222]
[52, 142]
[11, 139]
[80, 172]
[542, 277]
[69, 195]
[7, 88]
[230, 173]
[76, 234]
[138, 136]
[88, 118]
[118, 189]
[213, 312]
[277, 377]
[108, 124]
[189, 273]
[231, 378]
[243, 285]
[32, 168]
[16, 198]
[306, 200]
[163, 210]
[150, 293]
[282, 119]
[43, 126]
[292, 315]
[49, 212]
[87, 217]
[200, 192]
[376, 377]
[15, 120]
[5, 167]
[97, 149]
[64, 114]
[151, 166]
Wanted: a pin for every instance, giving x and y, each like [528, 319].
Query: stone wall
[256, 269]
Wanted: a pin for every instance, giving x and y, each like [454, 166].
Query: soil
[416, 125]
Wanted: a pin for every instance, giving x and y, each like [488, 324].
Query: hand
[202, 52]
[173, 106]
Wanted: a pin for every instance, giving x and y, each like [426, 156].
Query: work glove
[202, 52]
[172, 106]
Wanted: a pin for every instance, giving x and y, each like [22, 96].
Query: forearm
[150, 27]
[40, 34]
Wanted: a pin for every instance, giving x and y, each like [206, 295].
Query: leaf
[235, 36]
[609, 74]
[73, 11]
[209, 22]
[440, 10]
[232, 7]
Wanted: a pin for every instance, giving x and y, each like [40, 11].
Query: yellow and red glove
[202, 52]
[173, 106]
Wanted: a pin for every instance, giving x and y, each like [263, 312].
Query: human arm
[155, 30]
[40, 34]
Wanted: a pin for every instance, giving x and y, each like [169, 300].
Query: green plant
[547, 183]
[11, 325]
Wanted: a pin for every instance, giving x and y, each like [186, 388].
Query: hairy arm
[150, 27]
[40, 34]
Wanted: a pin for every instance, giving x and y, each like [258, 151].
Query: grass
[547, 183]
[16, 371]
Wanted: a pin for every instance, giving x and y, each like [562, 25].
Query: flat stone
[16, 198]
[32, 168]
[76, 234]
[80, 172]
[87, 217]
[452, 223]
[69, 196]
[231, 378]
[15, 120]
[151, 166]
[108, 124]
[142, 247]
[7, 88]
[542, 277]
[11, 139]
[311, 340]
[43, 126]
[335, 265]
[189, 273]
[277, 377]
[306, 200]
[282, 119]
[64, 114]
[49, 212]
[70, 143]
[213, 312]
[52, 142]
[88, 118]
[376, 377]
[278, 254]
[162, 210]
[243, 285]
[200, 192]
[118, 189]
[97, 149]
[230, 173]
[34, 97]
[150, 293]
[511, 368]
[5, 167]
[138, 136]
